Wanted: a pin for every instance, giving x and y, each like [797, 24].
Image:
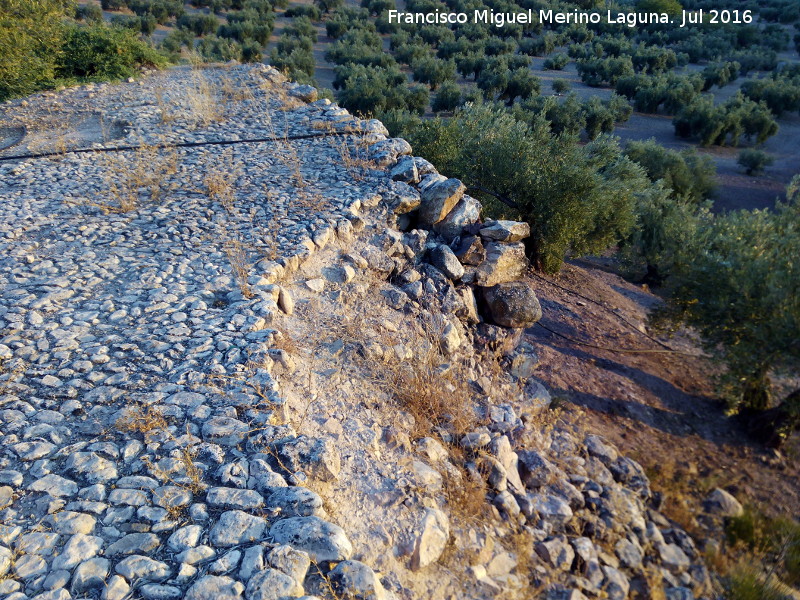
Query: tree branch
[503, 199]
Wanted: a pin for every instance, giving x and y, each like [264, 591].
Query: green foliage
[302, 27]
[304, 10]
[433, 71]
[746, 583]
[31, 37]
[669, 93]
[754, 161]
[738, 284]
[727, 123]
[448, 97]
[601, 116]
[91, 13]
[561, 86]
[399, 121]
[672, 7]
[102, 52]
[215, 49]
[599, 71]
[777, 539]
[664, 224]
[293, 56]
[367, 90]
[720, 74]
[327, 6]
[198, 24]
[577, 199]
[780, 93]
[685, 174]
[556, 62]
[653, 59]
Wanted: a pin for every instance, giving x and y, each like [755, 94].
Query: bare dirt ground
[659, 408]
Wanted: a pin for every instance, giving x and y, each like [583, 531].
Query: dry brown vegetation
[133, 176]
[220, 177]
[240, 265]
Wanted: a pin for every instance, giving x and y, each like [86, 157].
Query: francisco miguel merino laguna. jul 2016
[629, 19]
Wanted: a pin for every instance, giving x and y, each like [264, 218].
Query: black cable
[305, 136]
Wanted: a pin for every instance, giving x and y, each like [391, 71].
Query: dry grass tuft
[204, 104]
[133, 176]
[354, 158]
[220, 178]
[142, 419]
[240, 266]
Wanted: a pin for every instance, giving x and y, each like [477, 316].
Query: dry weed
[354, 158]
[220, 177]
[132, 176]
[201, 96]
[240, 266]
[142, 420]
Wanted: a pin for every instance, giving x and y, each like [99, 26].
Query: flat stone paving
[135, 287]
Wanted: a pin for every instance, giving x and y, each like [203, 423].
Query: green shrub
[685, 174]
[577, 199]
[754, 161]
[31, 37]
[368, 90]
[327, 6]
[296, 61]
[727, 123]
[304, 10]
[776, 539]
[433, 71]
[102, 52]
[199, 24]
[738, 284]
[598, 71]
[113, 4]
[664, 225]
[448, 97]
[747, 583]
[556, 62]
[561, 86]
[780, 93]
[215, 49]
[91, 13]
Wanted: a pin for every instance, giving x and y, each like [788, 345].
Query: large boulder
[442, 258]
[505, 231]
[723, 504]
[512, 304]
[470, 250]
[324, 542]
[466, 212]
[503, 263]
[439, 199]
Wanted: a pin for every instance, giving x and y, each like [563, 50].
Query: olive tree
[576, 199]
[738, 284]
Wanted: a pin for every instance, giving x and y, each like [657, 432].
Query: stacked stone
[489, 257]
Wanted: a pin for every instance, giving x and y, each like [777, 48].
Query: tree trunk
[773, 427]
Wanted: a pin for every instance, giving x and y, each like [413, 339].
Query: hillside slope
[236, 363]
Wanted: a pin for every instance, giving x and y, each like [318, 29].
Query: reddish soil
[657, 407]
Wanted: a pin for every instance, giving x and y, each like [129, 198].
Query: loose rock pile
[147, 446]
